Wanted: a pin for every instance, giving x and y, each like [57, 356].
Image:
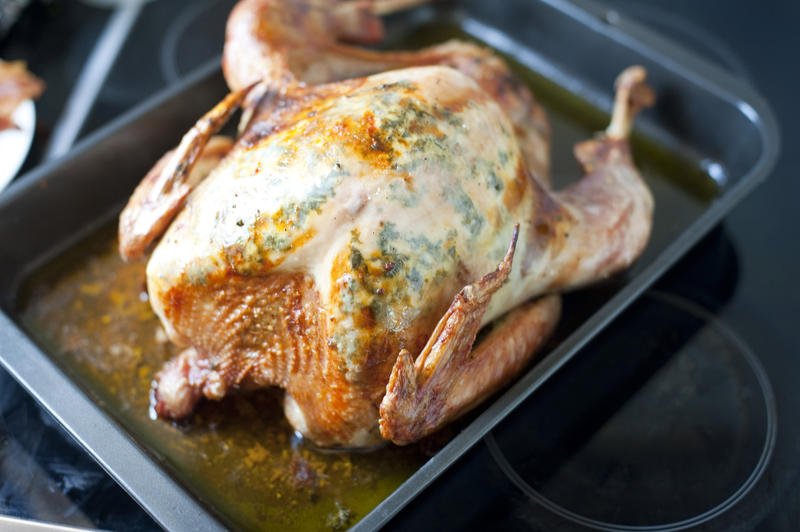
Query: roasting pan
[720, 127]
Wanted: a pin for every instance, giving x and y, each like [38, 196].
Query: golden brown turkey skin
[351, 243]
[336, 235]
[379, 197]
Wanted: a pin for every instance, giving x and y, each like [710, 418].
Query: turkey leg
[449, 377]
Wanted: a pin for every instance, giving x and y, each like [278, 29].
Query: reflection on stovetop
[46, 475]
[675, 424]
[172, 39]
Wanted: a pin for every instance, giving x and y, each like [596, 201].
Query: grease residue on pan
[88, 310]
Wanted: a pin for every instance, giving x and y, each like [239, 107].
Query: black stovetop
[695, 425]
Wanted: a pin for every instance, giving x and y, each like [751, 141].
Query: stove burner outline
[169, 51]
[690, 34]
[761, 465]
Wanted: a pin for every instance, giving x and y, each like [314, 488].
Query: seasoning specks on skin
[471, 219]
[387, 283]
[494, 182]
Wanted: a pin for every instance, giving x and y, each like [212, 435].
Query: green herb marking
[462, 203]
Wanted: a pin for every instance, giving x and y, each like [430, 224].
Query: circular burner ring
[766, 453]
[689, 34]
[177, 29]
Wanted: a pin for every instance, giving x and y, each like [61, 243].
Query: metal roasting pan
[702, 112]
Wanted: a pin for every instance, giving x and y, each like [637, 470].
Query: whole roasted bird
[354, 239]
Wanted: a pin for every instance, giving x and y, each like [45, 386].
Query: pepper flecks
[406, 85]
[494, 182]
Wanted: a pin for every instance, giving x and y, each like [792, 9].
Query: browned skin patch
[368, 141]
[515, 189]
[489, 71]
[278, 111]
[425, 127]
[251, 332]
[256, 331]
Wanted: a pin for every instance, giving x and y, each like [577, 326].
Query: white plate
[15, 143]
